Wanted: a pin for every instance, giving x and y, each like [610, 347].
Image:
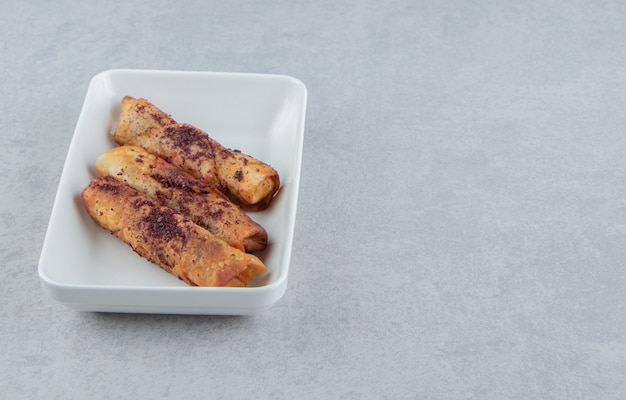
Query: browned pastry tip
[138, 116]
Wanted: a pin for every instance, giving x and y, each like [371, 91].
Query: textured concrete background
[461, 228]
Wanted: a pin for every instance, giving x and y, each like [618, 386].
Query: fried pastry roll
[247, 181]
[166, 238]
[193, 198]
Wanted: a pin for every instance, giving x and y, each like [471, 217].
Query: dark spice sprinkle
[138, 159]
[138, 202]
[161, 197]
[185, 136]
[162, 224]
[110, 187]
[200, 154]
[238, 175]
[162, 119]
[215, 214]
[224, 204]
[174, 179]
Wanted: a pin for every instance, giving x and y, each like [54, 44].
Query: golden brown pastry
[247, 181]
[138, 116]
[193, 198]
[166, 238]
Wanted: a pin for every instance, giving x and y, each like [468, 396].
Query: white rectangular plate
[86, 268]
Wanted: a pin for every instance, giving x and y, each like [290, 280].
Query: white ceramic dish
[85, 268]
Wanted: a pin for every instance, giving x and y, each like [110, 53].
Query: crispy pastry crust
[166, 238]
[138, 116]
[193, 198]
[249, 182]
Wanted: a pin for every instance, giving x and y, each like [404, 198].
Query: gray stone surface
[461, 228]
